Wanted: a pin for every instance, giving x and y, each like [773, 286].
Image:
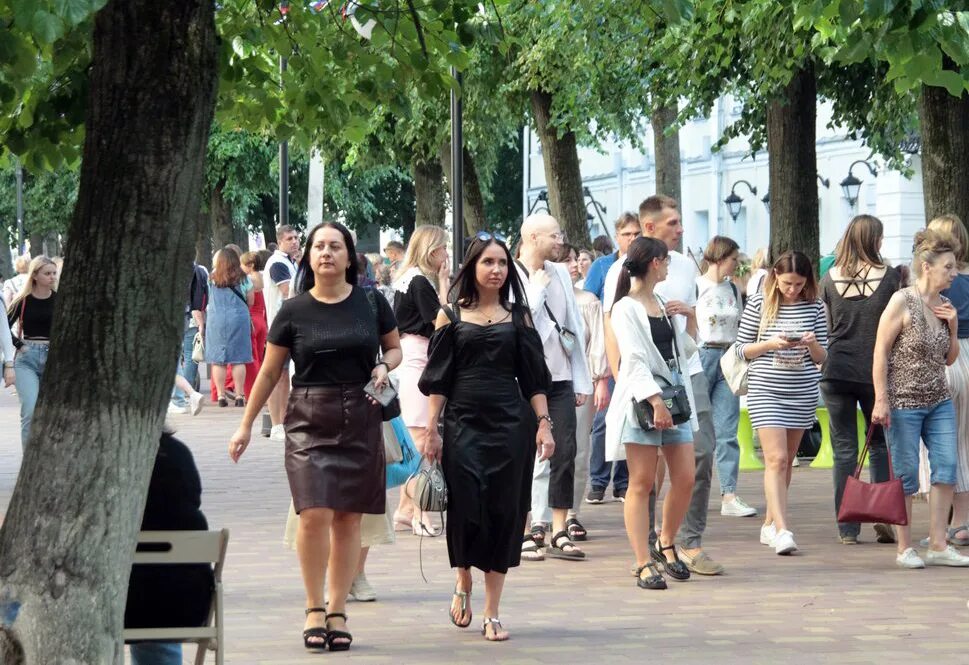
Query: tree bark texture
[220, 212]
[67, 540]
[945, 147]
[429, 192]
[791, 136]
[474, 209]
[203, 242]
[667, 150]
[561, 158]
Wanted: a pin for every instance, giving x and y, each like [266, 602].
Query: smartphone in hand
[383, 397]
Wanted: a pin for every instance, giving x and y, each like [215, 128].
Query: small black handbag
[674, 396]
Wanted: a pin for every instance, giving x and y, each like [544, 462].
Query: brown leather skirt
[334, 453]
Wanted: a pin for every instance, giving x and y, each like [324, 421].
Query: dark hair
[567, 250]
[640, 256]
[464, 290]
[264, 255]
[253, 259]
[602, 244]
[305, 279]
[655, 204]
[235, 248]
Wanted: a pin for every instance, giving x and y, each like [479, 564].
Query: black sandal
[538, 535]
[332, 635]
[560, 542]
[655, 581]
[465, 597]
[530, 549]
[317, 631]
[576, 530]
[676, 568]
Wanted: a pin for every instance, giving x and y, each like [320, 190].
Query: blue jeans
[599, 468]
[29, 367]
[936, 426]
[726, 418]
[189, 369]
[156, 653]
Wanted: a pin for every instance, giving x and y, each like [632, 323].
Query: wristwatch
[547, 417]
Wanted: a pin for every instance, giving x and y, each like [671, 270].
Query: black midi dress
[487, 374]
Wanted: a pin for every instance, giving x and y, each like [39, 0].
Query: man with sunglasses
[558, 322]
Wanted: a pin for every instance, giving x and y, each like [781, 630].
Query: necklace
[492, 317]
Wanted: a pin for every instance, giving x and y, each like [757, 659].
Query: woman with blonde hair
[420, 289]
[856, 291]
[30, 314]
[759, 266]
[917, 340]
[952, 228]
[783, 333]
[15, 284]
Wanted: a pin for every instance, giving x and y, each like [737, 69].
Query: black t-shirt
[332, 344]
[662, 334]
[38, 315]
[417, 308]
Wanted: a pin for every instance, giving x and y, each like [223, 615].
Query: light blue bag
[399, 472]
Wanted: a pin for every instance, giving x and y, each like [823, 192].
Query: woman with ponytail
[645, 349]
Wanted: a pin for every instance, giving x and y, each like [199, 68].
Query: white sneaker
[795, 461]
[195, 403]
[175, 409]
[737, 507]
[909, 559]
[277, 433]
[767, 534]
[947, 557]
[784, 542]
[361, 591]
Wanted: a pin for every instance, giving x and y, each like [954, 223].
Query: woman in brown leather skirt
[333, 331]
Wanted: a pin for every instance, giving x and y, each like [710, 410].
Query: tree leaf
[46, 27]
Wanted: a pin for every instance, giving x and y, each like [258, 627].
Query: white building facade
[619, 177]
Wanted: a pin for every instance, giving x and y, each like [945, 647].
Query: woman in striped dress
[784, 334]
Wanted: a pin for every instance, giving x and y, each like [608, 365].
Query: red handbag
[873, 502]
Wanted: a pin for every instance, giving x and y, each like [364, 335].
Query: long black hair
[305, 278]
[464, 290]
[640, 256]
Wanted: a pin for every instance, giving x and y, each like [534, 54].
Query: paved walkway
[827, 604]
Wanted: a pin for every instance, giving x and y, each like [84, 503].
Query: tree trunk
[793, 169]
[203, 242]
[429, 192]
[68, 537]
[667, 149]
[945, 145]
[6, 261]
[221, 214]
[474, 211]
[35, 243]
[561, 158]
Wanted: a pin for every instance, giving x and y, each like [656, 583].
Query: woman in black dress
[333, 330]
[485, 361]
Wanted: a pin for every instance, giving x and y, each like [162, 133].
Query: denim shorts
[633, 433]
[936, 427]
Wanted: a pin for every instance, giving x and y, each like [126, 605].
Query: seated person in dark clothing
[162, 596]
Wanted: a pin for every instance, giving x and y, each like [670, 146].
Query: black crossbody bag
[673, 395]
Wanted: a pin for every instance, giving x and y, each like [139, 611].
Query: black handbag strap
[676, 347]
[864, 454]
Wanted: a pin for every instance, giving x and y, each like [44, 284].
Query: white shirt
[718, 311]
[270, 290]
[680, 284]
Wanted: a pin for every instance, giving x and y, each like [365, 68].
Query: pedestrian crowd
[539, 375]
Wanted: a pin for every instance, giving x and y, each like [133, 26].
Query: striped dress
[783, 385]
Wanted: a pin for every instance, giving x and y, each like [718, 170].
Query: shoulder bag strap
[20, 321]
[239, 295]
[449, 313]
[676, 347]
[864, 454]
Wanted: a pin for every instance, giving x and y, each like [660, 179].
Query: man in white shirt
[556, 317]
[278, 277]
[661, 220]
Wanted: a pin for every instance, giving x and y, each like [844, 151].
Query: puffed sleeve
[531, 370]
[439, 372]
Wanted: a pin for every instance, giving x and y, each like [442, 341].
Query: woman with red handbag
[917, 340]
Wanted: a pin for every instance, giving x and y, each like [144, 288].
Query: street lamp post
[734, 202]
[457, 170]
[851, 186]
[283, 165]
[20, 207]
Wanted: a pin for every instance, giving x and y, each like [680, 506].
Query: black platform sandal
[317, 632]
[563, 548]
[332, 635]
[576, 530]
[676, 568]
[655, 580]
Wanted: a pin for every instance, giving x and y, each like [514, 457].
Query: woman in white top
[595, 353]
[759, 267]
[650, 350]
[718, 310]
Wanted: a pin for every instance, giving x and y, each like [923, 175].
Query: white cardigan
[641, 360]
[581, 377]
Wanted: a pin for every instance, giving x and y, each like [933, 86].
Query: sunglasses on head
[486, 236]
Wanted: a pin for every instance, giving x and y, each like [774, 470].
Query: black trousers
[842, 399]
[561, 408]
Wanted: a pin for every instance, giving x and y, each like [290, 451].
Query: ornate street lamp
[851, 185]
[541, 198]
[734, 202]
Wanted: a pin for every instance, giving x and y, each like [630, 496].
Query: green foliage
[239, 164]
[360, 197]
[48, 203]
[503, 196]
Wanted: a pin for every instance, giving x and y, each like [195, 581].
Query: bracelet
[547, 417]
[7, 365]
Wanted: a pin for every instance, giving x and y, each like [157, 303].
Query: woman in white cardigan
[646, 346]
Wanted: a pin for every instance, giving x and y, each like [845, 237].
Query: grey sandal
[465, 597]
[950, 535]
[495, 627]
